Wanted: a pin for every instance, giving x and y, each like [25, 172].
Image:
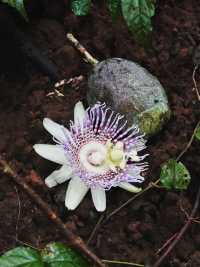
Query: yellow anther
[116, 155]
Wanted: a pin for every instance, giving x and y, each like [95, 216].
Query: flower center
[93, 157]
[96, 158]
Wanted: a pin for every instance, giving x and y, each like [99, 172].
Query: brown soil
[140, 229]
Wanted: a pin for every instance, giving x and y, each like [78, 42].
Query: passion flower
[97, 152]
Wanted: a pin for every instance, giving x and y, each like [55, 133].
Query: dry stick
[18, 215]
[195, 83]
[181, 233]
[17, 224]
[88, 57]
[166, 244]
[189, 143]
[75, 240]
[124, 263]
[95, 229]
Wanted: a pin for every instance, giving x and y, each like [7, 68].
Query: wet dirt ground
[27, 96]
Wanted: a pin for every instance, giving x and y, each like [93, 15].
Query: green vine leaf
[18, 5]
[197, 134]
[114, 7]
[58, 255]
[138, 14]
[21, 257]
[174, 175]
[81, 7]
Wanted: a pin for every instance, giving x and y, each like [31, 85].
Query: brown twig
[23, 243]
[166, 244]
[189, 143]
[75, 240]
[124, 263]
[18, 215]
[88, 57]
[95, 229]
[181, 233]
[195, 83]
[195, 220]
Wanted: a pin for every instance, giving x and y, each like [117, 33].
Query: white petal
[79, 113]
[59, 176]
[99, 198]
[51, 152]
[129, 187]
[75, 193]
[54, 129]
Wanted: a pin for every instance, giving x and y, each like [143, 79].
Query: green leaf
[21, 257]
[138, 14]
[58, 255]
[114, 7]
[197, 134]
[81, 7]
[18, 5]
[174, 175]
